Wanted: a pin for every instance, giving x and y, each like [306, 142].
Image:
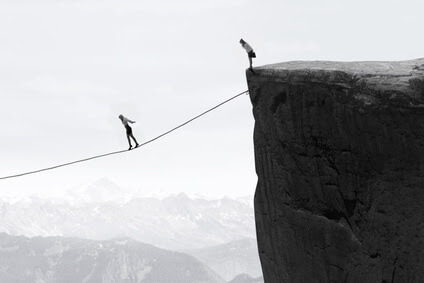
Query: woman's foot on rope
[130, 147]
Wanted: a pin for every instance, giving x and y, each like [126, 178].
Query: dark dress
[129, 130]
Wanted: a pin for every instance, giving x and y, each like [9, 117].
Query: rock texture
[339, 151]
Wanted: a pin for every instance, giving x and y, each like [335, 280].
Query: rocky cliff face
[339, 151]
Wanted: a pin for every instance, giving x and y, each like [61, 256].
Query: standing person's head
[121, 116]
[242, 42]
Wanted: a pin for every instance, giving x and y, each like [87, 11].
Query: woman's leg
[132, 136]
[129, 141]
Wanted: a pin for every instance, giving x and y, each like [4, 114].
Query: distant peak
[182, 196]
[105, 182]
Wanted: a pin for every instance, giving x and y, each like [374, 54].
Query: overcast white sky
[69, 68]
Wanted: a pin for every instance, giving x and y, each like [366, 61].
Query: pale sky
[69, 68]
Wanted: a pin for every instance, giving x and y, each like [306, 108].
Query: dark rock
[339, 151]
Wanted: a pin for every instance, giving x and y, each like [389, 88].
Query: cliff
[339, 151]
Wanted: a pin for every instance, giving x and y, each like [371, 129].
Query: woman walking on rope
[125, 122]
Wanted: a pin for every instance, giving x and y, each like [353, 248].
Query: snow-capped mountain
[58, 259]
[209, 228]
[175, 222]
[103, 190]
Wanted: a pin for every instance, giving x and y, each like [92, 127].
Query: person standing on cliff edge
[250, 53]
[125, 122]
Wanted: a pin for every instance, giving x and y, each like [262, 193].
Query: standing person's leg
[129, 133]
[132, 136]
[251, 55]
[129, 141]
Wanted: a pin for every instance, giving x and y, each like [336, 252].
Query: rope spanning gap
[125, 150]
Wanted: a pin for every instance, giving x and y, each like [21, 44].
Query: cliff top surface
[394, 78]
[402, 68]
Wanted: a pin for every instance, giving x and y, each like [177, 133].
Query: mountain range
[231, 259]
[218, 232]
[176, 222]
[59, 259]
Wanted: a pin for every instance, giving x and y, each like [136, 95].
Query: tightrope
[126, 150]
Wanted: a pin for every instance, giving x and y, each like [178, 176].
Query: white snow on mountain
[103, 190]
[103, 210]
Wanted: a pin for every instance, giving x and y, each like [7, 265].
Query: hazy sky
[69, 68]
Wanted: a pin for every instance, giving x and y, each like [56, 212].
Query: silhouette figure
[250, 53]
[125, 122]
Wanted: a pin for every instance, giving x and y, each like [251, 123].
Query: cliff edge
[339, 150]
